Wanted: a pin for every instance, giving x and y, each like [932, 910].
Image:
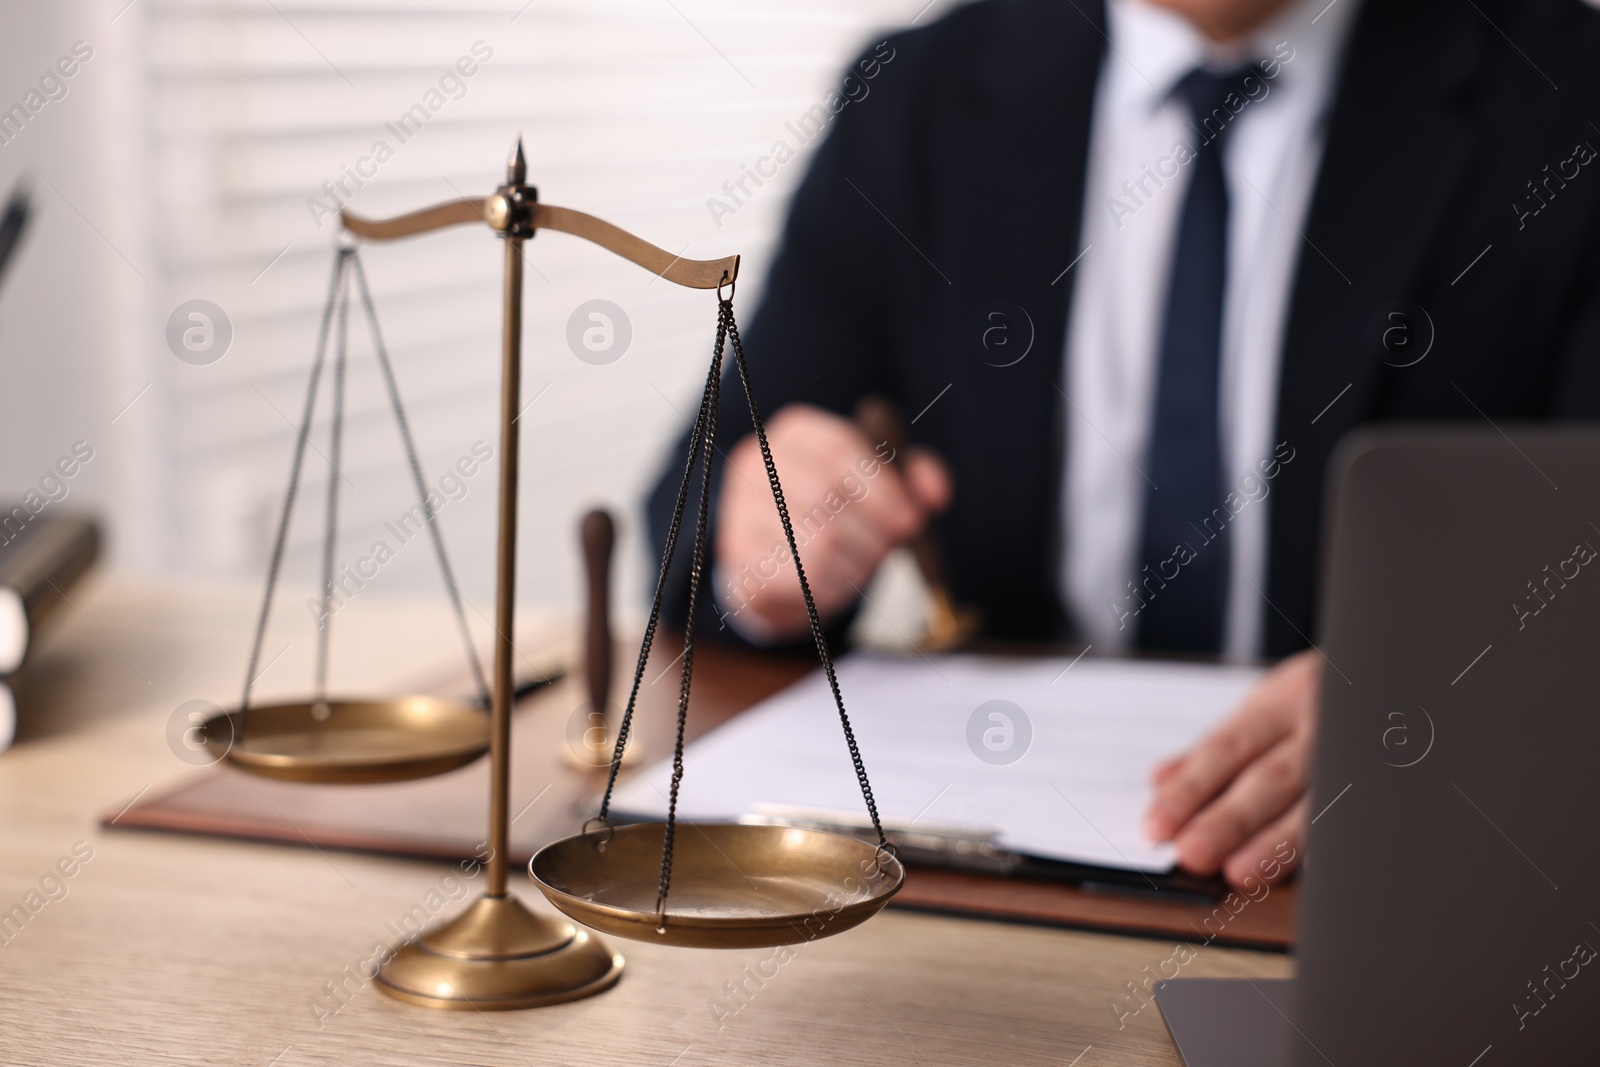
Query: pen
[527, 687]
[978, 849]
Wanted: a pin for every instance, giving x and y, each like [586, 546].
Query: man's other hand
[849, 507]
[1236, 797]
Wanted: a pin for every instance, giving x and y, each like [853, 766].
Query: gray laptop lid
[1450, 908]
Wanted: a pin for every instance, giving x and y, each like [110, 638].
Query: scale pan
[733, 886]
[350, 741]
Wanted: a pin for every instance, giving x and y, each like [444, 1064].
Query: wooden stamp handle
[598, 534]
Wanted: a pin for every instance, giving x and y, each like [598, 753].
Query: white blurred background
[182, 163]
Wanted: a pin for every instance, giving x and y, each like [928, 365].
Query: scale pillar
[498, 954]
[506, 565]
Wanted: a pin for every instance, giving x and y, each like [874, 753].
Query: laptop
[1450, 911]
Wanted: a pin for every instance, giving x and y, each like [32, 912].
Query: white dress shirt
[1132, 204]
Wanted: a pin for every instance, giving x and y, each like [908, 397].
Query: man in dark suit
[1134, 268]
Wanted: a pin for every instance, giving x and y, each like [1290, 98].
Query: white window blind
[639, 111]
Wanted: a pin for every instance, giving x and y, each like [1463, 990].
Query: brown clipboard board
[440, 818]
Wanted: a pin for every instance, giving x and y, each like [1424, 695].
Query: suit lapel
[1400, 137]
[1016, 180]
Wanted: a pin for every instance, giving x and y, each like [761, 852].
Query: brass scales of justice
[718, 885]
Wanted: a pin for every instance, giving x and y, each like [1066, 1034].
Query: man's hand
[1241, 792]
[849, 508]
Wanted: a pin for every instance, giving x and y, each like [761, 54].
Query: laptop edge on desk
[1450, 900]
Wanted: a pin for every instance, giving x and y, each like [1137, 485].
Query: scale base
[499, 956]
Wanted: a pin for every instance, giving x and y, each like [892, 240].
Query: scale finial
[517, 167]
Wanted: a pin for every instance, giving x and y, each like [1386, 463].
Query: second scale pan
[733, 885]
[350, 741]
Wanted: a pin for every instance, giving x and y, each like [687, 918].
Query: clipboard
[439, 819]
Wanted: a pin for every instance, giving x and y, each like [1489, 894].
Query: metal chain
[696, 431]
[330, 528]
[281, 539]
[417, 479]
[800, 571]
[347, 263]
[702, 446]
[697, 559]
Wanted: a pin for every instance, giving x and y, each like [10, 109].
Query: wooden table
[169, 949]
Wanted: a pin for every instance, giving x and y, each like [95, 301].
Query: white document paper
[1061, 770]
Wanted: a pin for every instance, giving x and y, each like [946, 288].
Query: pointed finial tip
[518, 164]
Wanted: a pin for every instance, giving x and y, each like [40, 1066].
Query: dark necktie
[1184, 546]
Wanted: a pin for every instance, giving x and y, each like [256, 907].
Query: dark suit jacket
[959, 181]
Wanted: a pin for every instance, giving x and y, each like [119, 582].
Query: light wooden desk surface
[171, 949]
